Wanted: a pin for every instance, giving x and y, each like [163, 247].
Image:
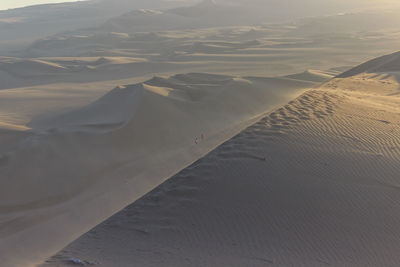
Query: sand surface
[94, 115]
[67, 173]
[314, 183]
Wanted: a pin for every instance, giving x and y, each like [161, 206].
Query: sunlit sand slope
[314, 183]
[57, 183]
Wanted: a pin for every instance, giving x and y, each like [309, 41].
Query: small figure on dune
[202, 137]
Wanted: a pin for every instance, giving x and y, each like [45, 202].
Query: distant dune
[313, 76]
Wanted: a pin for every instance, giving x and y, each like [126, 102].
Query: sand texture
[281, 152]
[70, 172]
[314, 183]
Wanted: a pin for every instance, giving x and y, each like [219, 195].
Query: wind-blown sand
[314, 183]
[71, 172]
[309, 184]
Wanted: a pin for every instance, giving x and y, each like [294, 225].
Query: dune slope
[81, 167]
[385, 63]
[314, 183]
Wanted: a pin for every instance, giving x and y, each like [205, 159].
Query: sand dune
[260, 50]
[18, 73]
[314, 183]
[388, 63]
[10, 126]
[101, 157]
[30, 67]
[313, 76]
[73, 153]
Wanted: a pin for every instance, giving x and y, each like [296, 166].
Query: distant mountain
[204, 14]
[348, 22]
[200, 9]
[207, 13]
[25, 24]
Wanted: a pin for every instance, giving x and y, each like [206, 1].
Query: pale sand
[71, 172]
[69, 160]
[314, 183]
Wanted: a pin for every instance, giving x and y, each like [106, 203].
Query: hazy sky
[6, 4]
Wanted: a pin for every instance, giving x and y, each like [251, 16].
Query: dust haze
[200, 133]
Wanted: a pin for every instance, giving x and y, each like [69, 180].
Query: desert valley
[200, 133]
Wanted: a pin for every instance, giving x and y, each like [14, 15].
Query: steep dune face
[161, 115]
[202, 94]
[312, 183]
[96, 160]
[313, 76]
[387, 63]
